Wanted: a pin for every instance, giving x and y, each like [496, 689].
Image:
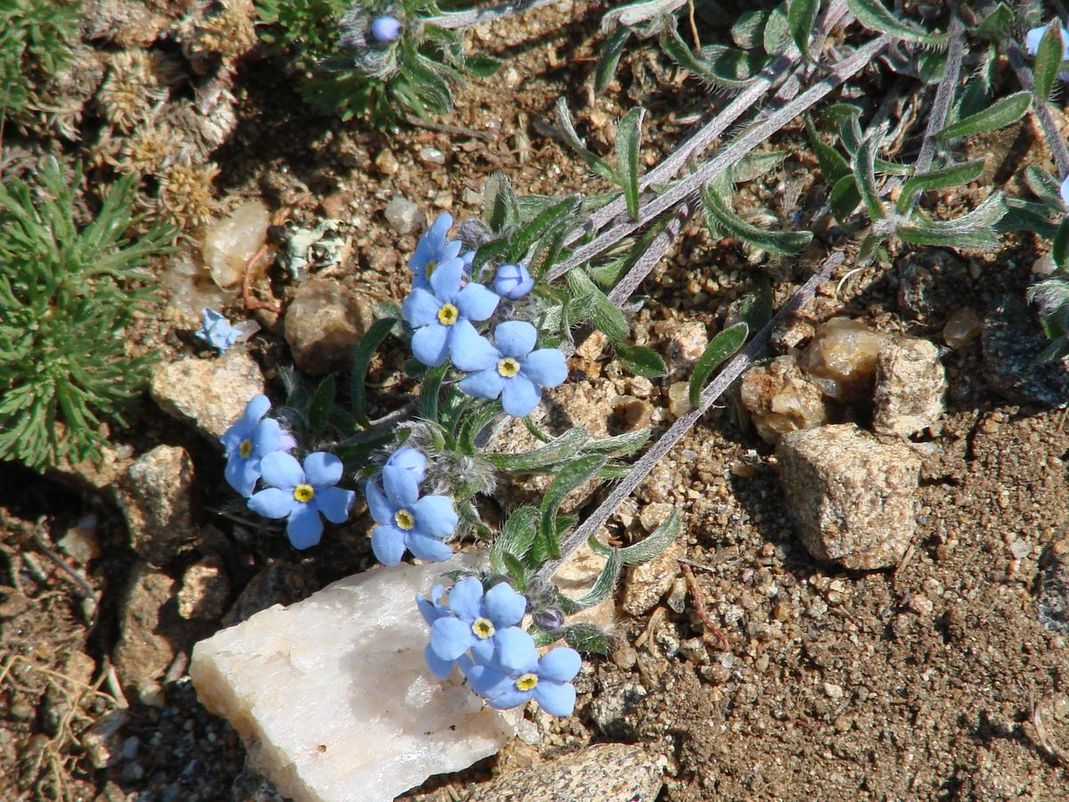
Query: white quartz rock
[333, 699]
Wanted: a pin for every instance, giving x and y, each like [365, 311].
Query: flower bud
[512, 281]
[385, 29]
[549, 618]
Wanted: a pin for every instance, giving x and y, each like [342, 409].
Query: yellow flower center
[508, 367]
[404, 519]
[483, 628]
[448, 315]
[526, 681]
[245, 448]
[304, 493]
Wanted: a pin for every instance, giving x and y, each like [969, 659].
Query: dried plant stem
[626, 286]
[944, 95]
[473, 16]
[726, 157]
[682, 425]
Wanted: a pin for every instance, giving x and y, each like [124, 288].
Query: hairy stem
[473, 16]
[723, 381]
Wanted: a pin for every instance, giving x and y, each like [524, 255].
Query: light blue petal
[469, 350]
[279, 469]
[556, 698]
[255, 409]
[427, 548]
[450, 638]
[476, 302]
[1033, 38]
[237, 476]
[465, 599]
[267, 437]
[561, 664]
[431, 610]
[485, 679]
[273, 503]
[439, 667]
[377, 503]
[445, 280]
[334, 503]
[435, 516]
[516, 650]
[482, 649]
[546, 367]
[1065, 190]
[388, 544]
[251, 475]
[304, 527]
[510, 698]
[515, 338]
[520, 396]
[401, 487]
[420, 308]
[429, 344]
[484, 384]
[503, 605]
[411, 460]
[431, 242]
[233, 436]
[322, 469]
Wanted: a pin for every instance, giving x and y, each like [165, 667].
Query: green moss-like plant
[35, 44]
[66, 297]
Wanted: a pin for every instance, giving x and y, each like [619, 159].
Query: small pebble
[403, 215]
[833, 691]
[1020, 548]
[430, 155]
[387, 163]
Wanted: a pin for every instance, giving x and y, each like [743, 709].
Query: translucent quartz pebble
[230, 243]
[333, 699]
[842, 358]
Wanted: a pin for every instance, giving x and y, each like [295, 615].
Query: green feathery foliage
[35, 44]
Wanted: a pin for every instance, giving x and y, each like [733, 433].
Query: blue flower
[435, 313]
[432, 250]
[469, 262]
[1035, 36]
[411, 460]
[385, 29]
[1064, 191]
[512, 281]
[509, 368]
[303, 495]
[406, 521]
[482, 622]
[216, 330]
[547, 680]
[248, 441]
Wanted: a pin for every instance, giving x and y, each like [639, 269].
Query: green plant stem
[682, 425]
[726, 157]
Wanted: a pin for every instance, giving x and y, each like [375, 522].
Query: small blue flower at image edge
[248, 441]
[434, 314]
[513, 282]
[1064, 190]
[303, 494]
[545, 679]
[482, 622]
[385, 29]
[216, 330]
[1035, 36]
[432, 250]
[509, 368]
[406, 521]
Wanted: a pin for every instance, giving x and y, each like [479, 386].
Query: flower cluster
[476, 630]
[442, 309]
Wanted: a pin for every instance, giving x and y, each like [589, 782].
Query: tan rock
[646, 583]
[910, 385]
[852, 495]
[324, 322]
[841, 359]
[142, 653]
[205, 589]
[210, 394]
[781, 399]
[156, 500]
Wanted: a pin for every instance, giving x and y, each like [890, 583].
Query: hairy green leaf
[602, 588]
[530, 233]
[641, 361]
[500, 210]
[720, 218]
[594, 163]
[874, 15]
[1004, 111]
[320, 408]
[362, 354]
[570, 476]
[864, 169]
[996, 25]
[517, 535]
[607, 317]
[586, 639]
[554, 453]
[628, 139]
[954, 175]
[610, 58]
[724, 345]
[802, 20]
[1048, 61]
[645, 550]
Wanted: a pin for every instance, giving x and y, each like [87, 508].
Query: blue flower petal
[484, 679]
[410, 460]
[482, 650]
[439, 667]
[465, 598]
[431, 242]
[561, 664]
[420, 308]
[377, 503]
[1033, 38]
[250, 475]
[476, 302]
[427, 548]
[435, 516]
[520, 396]
[1065, 190]
[546, 367]
[279, 469]
[510, 698]
[469, 350]
[237, 476]
[430, 610]
[556, 698]
[388, 544]
[513, 281]
[515, 338]
[430, 344]
[484, 384]
[334, 503]
[450, 638]
[401, 487]
[273, 503]
[503, 605]
[304, 527]
[516, 649]
[267, 437]
[255, 409]
[445, 280]
[322, 469]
